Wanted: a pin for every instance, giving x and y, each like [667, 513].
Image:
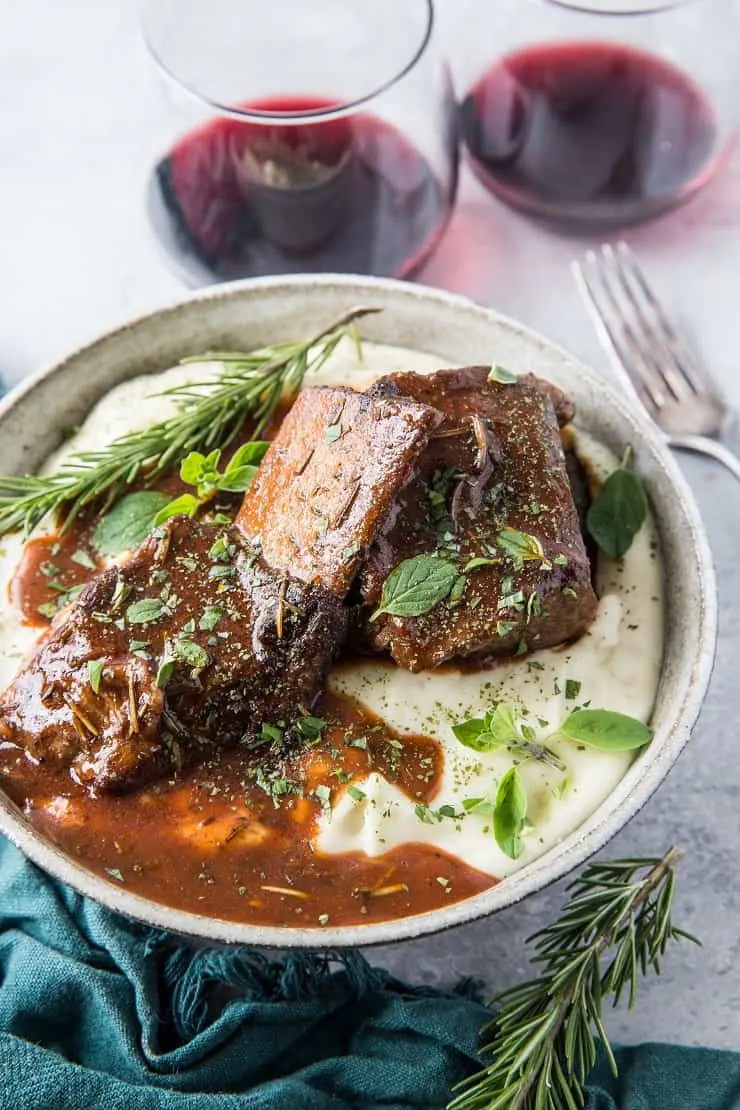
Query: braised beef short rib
[187, 647]
[330, 478]
[493, 476]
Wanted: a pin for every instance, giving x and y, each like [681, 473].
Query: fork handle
[712, 447]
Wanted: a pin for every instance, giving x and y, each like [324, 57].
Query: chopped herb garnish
[165, 672]
[83, 559]
[332, 433]
[357, 794]
[115, 874]
[95, 673]
[521, 547]
[501, 375]
[572, 689]
[310, 728]
[190, 653]
[210, 617]
[145, 611]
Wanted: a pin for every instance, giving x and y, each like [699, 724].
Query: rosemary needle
[616, 926]
[208, 414]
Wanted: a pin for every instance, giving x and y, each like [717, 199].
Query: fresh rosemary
[616, 926]
[208, 415]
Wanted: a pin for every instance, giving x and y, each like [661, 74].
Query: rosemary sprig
[208, 415]
[616, 926]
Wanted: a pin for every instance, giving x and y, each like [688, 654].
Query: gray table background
[81, 123]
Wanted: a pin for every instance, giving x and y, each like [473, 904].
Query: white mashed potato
[616, 663]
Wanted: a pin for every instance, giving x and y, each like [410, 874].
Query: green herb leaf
[95, 673]
[209, 618]
[415, 586]
[310, 727]
[424, 813]
[129, 522]
[238, 480]
[146, 610]
[509, 814]
[521, 547]
[83, 559]
[480, 561]
[186, 505]
[618, 511]
[115, 874]
[323, 793]
[469, 733]
[357, 794]
[333, 433]
[572, 689]
[501, 375]
[503, 628]
[606, 730]
[272, 732]
[164, 673]
[191, 654]
[249, 454]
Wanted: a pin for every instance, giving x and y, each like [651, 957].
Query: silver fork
[649, 357]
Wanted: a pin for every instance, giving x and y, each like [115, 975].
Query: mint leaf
[415, 586]
[129, 522]
[618, 511]
[144, 611]
[95, 673]
[606, 730]
[510, 811]
[501, 375]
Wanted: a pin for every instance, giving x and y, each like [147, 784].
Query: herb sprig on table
[208, 415]
[616, 926]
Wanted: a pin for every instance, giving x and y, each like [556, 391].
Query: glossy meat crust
[247, 645]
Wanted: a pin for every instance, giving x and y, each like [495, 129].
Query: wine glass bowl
[601, 113]
[303, 138]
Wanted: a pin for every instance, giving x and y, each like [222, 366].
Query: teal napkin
[97, 1013]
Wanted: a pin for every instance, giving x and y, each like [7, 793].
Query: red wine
[236, 198]
[588, 131]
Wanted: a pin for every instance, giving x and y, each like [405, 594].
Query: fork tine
[653, 343]
[607, 313]
[694, 377]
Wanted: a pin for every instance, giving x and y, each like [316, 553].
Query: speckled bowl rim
[634, 789]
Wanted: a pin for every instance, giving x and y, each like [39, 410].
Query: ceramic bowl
[251, 313]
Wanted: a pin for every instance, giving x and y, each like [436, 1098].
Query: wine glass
[601, 112]
[306, 136]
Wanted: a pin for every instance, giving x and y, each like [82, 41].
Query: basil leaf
[95, 673]
[146, 610]
[129, 522]
[501, 375]
[606, 730]
[521, 547]
[618, 511]
[187, 505]
[509, 814]
[238, 480]
[415, 586]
